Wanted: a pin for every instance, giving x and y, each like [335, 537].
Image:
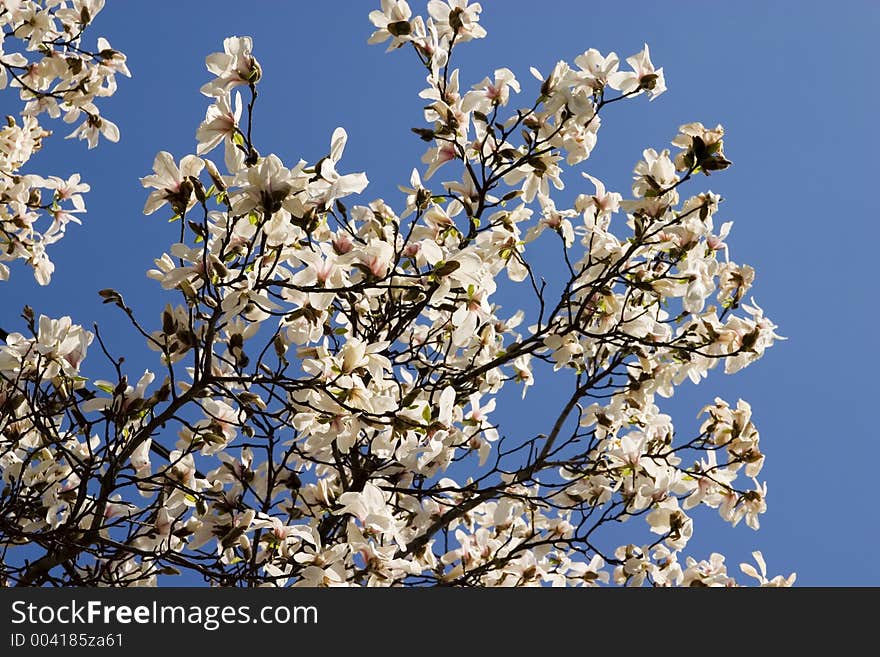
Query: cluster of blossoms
[42, 56]
[329, 373]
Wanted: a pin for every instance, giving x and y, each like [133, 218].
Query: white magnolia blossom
[234, 66]
[392, 22]
[323, 407]
[44, 58]
[221, 122]
[642, 77]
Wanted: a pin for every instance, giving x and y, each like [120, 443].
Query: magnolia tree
[321, 411]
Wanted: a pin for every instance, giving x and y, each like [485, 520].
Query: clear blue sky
[794, 84]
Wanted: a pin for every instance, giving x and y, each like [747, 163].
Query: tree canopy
[322, 407]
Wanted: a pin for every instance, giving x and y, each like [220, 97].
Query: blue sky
[794, 84]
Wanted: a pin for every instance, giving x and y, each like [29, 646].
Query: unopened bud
[255, 72]
[399, 28]
[216, 178]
